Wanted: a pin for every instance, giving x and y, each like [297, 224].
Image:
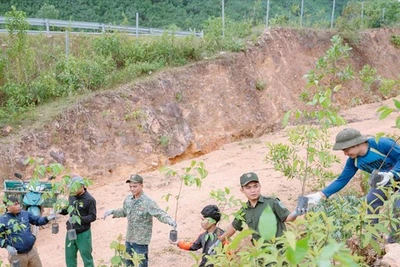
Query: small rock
[392, 255]
[20, 163]
[6, 130]
[58, 156]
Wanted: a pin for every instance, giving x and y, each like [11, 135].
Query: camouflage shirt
[139, 213]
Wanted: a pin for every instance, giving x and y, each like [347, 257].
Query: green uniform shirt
[139, 213]
[251, 215]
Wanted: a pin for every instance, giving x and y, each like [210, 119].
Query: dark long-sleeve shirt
[85, 208]
[204, 241]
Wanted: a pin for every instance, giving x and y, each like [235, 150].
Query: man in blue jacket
[16, 235]
[367, 154]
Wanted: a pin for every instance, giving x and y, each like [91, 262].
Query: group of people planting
[380, 156]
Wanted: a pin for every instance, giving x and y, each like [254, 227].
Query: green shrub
[234, 32]
[17, 95]
[44, 88]
[389, 88]
[76, 74]
[368, 76]
[110, 45]
[395, 39]
[164, 140]
[261, 85]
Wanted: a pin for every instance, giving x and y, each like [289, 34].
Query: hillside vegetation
[162, 13]
[36, 70]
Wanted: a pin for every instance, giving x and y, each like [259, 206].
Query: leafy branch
[192, 175]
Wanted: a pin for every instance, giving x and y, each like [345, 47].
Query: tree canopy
[162, 13]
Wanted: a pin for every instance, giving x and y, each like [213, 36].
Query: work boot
[391, 240]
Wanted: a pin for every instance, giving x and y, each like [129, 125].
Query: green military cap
[135, 178]
[247, 178]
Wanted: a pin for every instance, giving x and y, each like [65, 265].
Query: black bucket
[374, 178]
[302, 202]
[173, 235]
[55, 228]
[15, 263]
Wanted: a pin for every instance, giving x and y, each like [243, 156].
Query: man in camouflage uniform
[140, 210]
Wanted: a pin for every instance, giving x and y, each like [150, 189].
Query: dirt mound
[190, 111]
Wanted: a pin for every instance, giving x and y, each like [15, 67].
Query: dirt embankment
[193, 110]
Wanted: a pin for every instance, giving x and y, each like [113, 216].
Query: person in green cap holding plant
[251, 212]
[367, 154]
[79, 235]
[140, 210]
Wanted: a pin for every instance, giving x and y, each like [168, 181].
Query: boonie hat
[135, 178]
[247, 178]
[349, 137]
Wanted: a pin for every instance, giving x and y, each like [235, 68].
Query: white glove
[387, 176]
[314, 198]
[300, 211]
[11, 250]
[107, 213]
[51, 217]
[173, 224]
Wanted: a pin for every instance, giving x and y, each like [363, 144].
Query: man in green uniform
[79, 223]
[140, 210]
[250, 187]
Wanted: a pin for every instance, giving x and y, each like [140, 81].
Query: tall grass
[35, 69]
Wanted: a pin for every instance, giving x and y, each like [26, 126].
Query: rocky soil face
[186, 112]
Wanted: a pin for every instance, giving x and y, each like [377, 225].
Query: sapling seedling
[187, 179]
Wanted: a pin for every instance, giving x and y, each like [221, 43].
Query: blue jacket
[373, 159]
[15, 230]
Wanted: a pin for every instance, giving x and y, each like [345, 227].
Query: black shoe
[391, 240]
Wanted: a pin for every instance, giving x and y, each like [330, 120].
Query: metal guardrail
[98, 28]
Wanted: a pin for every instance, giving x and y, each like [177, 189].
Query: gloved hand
[387, 176]
[300, 211]
[11, 250]
[107, 213]
[173, 224]
[314, 198]
[51, 217]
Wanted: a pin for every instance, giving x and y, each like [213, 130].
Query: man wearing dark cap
[140, 210]
[251, 212]
[16, 235]
[83, 213]
[367, 154]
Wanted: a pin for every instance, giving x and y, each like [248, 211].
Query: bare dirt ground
[225, 165]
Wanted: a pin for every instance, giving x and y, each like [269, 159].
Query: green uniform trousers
[83, 244]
